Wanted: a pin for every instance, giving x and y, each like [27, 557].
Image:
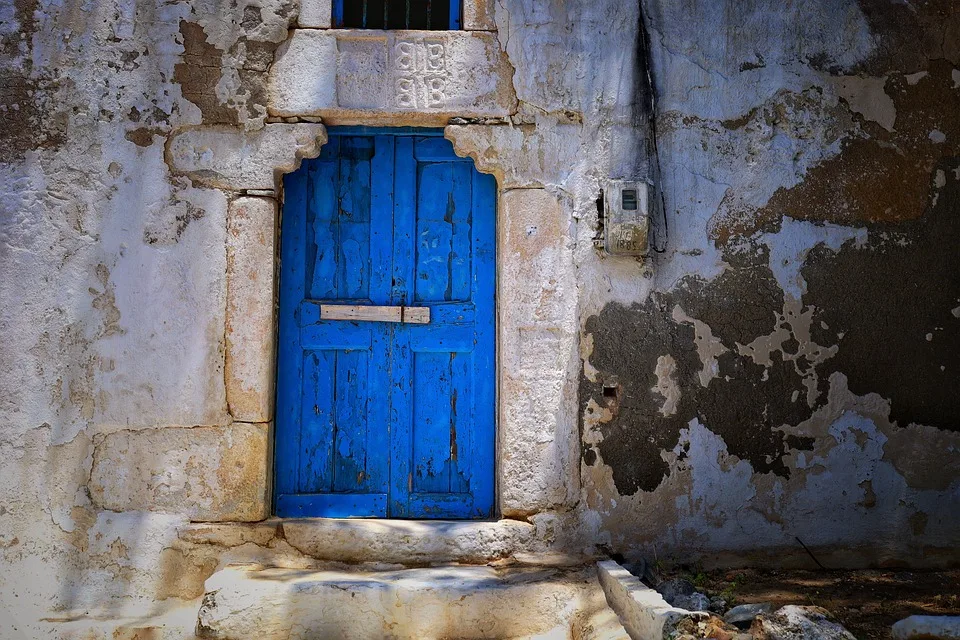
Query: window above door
[431, 15]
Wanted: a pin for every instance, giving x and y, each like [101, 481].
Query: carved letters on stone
[352, 74]
[420, 69]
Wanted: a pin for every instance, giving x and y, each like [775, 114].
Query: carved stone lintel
[393, 77]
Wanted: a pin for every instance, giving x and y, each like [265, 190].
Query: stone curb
[642, 610]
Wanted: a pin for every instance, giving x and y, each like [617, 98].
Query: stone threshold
[403, 542]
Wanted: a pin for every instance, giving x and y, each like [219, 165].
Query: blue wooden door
[381, 418]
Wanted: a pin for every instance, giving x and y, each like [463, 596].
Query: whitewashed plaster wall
[116, 227]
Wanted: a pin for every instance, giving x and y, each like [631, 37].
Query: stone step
[454, 601]
[406, 542]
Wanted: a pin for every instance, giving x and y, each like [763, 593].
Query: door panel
[443, 231]
[433, 426]
[381, 418]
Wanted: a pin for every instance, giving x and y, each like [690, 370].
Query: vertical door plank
[435, 208]
[461, 251]
[317, 421]
[404, 222]
[322, 256]
[401, 381]
[289, 352]
[381, 221]
[353, 218]
[350, 445]
[431, 422]
[462, 421]
[484, 365]
[381, 273]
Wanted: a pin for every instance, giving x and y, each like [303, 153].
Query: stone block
[315, 14]
[539, 451]
[170, 623]
[230, 534]
[234, 159]
[391, 77]
[203, 473]
[478, 15]
[250, 320]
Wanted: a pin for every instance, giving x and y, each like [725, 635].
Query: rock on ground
[927, 627]
[672, 589]
[743, 615]
[799, 623]
[694, 628]
[696, 601]
[718, 604]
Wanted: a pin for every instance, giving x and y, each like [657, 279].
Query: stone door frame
[537, 350]
[538, 452]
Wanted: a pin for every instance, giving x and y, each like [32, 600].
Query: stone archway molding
[243, 161]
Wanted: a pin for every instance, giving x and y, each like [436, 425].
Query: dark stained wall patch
[892, 309]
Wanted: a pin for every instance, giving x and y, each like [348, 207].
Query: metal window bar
[433, 15]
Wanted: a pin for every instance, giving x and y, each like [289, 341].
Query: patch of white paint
[914, 78]
[789, 248]
[867, 97]
[721, 173]
[718, 501]
[667, 384]
[793, 323]
[940, 179]
[709, 348]
[705, 49]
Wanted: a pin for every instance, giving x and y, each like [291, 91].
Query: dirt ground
[865, 602]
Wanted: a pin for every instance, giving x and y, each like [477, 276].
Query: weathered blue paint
[379, 419]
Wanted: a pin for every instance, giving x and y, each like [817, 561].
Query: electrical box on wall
[626, 218]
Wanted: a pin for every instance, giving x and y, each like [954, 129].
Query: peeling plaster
[709, 348]
[789, 247]
[667, 385]
[867, 96]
